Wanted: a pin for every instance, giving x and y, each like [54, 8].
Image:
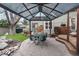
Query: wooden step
[70, 48]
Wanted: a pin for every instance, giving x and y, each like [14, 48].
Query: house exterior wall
[47, 30]
[38, 24]
[73, 15]
[58, 21]
[41, 23]
[63, 20]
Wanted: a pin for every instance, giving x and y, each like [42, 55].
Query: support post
[78, 31]
[68, 26]
[30, 28]
[50, 26]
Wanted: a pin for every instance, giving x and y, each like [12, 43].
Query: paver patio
[49, 48]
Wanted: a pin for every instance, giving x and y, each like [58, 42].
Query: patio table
[39, 36]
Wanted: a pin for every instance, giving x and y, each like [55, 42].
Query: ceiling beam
[68, 11]
[4, 7]
[39, 20]
[32, 14]
[47, 7]
[54, 7]
[27, 9]
[53, 10]
[58, 11]
[23, 11]
[49, 14]
[40, 7]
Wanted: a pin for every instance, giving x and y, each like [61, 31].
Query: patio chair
[39, 37]
[43, 36]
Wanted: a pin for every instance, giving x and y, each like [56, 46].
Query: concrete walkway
[49, 48]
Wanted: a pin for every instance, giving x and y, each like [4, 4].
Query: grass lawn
[18, 37]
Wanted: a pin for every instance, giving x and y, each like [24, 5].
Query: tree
[12, 20]
[4, 23]
[25, 22]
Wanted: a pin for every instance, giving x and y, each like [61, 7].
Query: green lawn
[18, 37]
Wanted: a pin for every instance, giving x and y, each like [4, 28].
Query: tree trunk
[12, 22]
[12, 29]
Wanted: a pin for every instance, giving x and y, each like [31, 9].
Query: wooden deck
[72, 39]
[71, 45]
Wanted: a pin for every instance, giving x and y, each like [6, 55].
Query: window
[46, 25]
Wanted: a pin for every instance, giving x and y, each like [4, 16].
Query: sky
[2, 14]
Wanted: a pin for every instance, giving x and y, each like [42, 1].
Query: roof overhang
[29, 10]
